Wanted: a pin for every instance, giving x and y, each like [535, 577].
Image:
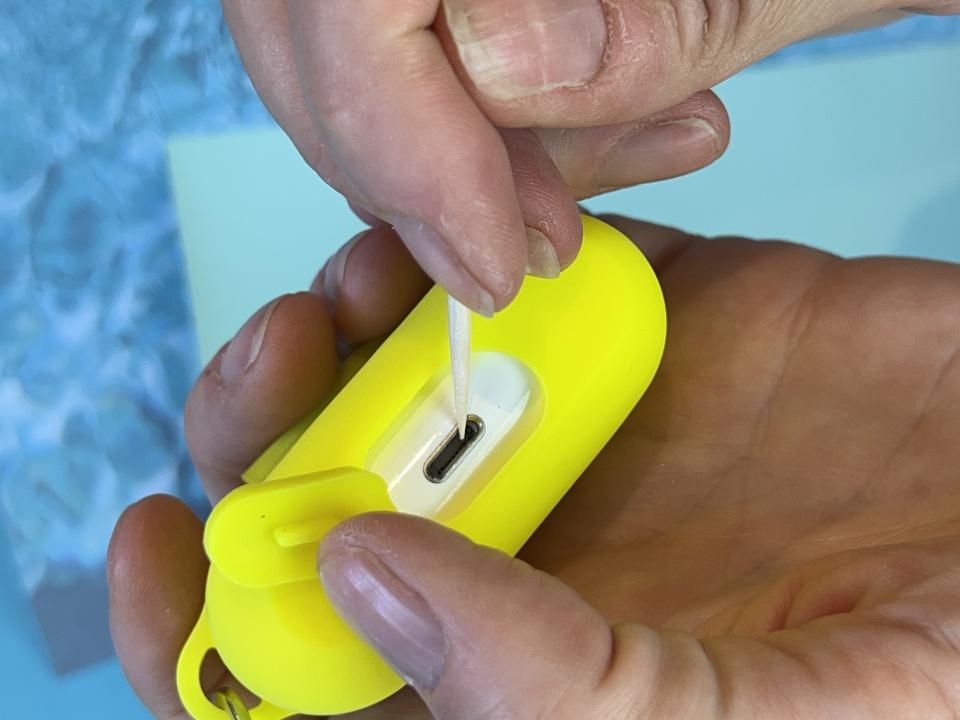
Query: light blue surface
[28, 688]
[97, 350]
[256, 223]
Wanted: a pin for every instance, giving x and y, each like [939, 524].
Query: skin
[773, 533]
[472, 126]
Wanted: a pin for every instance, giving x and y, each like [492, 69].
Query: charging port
[452, 451]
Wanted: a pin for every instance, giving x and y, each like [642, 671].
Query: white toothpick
[458, 318]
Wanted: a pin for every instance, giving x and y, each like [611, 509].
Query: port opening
[453, 449]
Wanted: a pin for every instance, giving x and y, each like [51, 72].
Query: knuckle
[708, 33]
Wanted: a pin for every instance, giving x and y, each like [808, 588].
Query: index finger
[415, 146]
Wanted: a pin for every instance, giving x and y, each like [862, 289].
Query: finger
[550, 216]
[475, 632]
[580, 63]
[547, 164]
[416, 148]
[550, 164]
[283, 362]
[676, 141]
[262, 34]
[273, 373]
[156, 570]
[481, 635]
[370, 284]
[681, 140]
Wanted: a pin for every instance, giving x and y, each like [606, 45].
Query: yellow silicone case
[592, 340]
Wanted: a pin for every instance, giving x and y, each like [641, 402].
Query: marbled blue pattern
[97, 350]
[97, 347]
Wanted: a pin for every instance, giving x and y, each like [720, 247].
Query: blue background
[98, 348]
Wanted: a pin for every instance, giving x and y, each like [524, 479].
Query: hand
[472, 125]
[774, 532]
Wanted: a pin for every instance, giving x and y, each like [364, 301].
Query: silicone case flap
[267, 534]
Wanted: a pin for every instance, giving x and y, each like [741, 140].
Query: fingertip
[229, 424]
[372, 287]
[481, 270]
[679, 140]
[706, 110]
[150, 537]
[553, 227]
[138, 518]
[299, 353]
[156, 569]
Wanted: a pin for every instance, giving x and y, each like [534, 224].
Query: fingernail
[393, 618]
[243, 350]
[434, 255]
[655, 152]
[542, 258]
[334, 270]
[514, 49]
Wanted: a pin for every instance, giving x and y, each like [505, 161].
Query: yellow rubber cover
[593, 340]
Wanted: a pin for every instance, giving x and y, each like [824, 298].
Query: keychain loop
[227, 699]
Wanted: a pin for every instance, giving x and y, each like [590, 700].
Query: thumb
[481, 635]
[570, 63]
